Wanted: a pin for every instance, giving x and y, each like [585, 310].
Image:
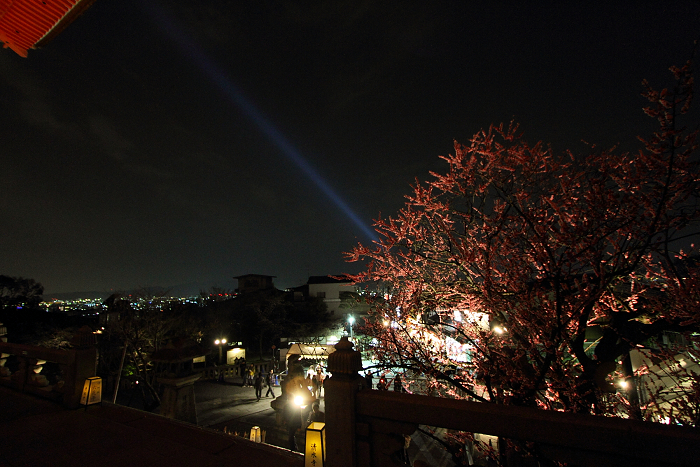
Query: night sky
[159, 143]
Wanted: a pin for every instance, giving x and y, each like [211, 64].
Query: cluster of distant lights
[81, 303]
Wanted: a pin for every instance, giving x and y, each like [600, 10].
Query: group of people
[383, 383]
[258, 380]
[314, 380]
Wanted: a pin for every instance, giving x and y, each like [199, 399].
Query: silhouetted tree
[19, 292]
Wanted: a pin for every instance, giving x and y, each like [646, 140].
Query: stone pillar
[3, 356]
[178, 398]
[341, 389]
[84, 366]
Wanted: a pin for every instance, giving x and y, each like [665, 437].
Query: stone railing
[75, 366]
[229, 371]
[366, 428]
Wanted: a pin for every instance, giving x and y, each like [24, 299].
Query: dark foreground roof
[38, 432]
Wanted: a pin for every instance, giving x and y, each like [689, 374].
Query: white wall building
[328, 289]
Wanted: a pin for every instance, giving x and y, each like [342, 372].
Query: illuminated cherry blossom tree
[525, 277]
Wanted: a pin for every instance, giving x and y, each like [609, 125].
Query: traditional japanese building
[30, 24]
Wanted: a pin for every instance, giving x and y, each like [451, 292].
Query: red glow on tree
[558, 264]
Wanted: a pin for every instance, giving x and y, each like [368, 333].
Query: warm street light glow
[219, 343]
[351, 321]
[499, 330]
[624, 384]
[300, 400]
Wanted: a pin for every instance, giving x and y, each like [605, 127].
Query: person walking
[320, 377]
[368, 379]
[269, 380]
[258, 383]
[243, 370]
[315, 389]
[398, 387]
[251, 375]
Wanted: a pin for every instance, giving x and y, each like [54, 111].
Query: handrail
[213, 372]
[366, 427]
[77, 364]
[41, 353]
[583, 438]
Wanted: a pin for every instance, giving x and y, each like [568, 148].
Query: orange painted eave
[28, 24]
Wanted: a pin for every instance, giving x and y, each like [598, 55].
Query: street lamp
[300, 401]
[219, 343]
[351, 321]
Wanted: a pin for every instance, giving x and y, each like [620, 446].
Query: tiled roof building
[29, 24]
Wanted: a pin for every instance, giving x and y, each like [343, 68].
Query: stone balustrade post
[340, 393]
[19, 377]
[178, 401]
[3, 356]
[84, 366]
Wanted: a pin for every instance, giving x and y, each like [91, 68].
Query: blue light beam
[266, 127]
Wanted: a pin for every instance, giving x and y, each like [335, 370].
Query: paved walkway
[228, 406]
[218, 402]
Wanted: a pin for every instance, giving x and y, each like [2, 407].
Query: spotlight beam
[264, 125]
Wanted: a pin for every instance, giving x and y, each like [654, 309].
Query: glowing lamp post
[497, 327]
[301, 402]
[351, 321]
[219, 343]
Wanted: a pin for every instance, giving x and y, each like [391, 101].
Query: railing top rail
[631, 438]
[39, 353]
